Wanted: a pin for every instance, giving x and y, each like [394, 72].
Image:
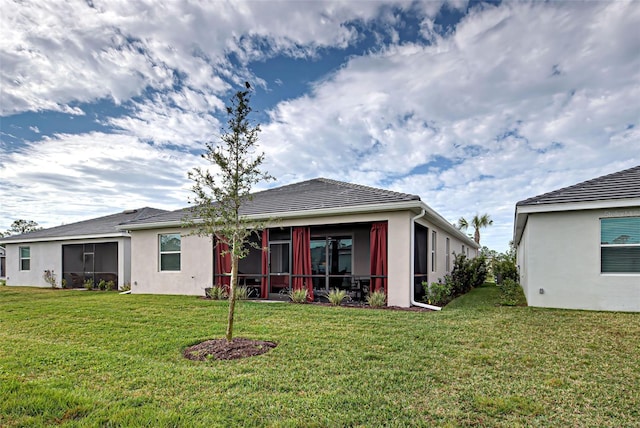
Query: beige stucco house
[93, 249]
[579, 247]
[321, 234]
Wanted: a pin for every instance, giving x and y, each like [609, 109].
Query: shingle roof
[97, 226]
[316, 194]
[619, 185]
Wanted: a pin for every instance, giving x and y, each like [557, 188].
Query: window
[25, 258]
[447, 256]
[433, 250]
[620, 245]
[170, 252]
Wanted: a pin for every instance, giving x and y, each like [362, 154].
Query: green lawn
[74, 358]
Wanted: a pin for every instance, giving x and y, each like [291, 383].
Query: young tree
[219, 195]
[478, 222]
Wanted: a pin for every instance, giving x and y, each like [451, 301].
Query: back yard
[76, 358]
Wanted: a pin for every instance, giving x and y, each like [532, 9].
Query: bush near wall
[504, 267]
[511, 293]
[466, 275]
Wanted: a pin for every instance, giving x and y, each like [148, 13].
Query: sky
[473, 106]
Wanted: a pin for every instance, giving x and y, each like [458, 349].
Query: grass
[73, 358]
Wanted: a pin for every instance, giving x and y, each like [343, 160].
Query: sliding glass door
[331, 262]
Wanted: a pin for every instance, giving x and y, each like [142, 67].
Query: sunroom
[349, 257]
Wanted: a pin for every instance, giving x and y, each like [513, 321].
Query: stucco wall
[44, 256]
[561, 255]
[196, 264]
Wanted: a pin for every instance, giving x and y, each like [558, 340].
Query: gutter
[413, 255]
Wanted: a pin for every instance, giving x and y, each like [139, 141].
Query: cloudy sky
[105, 105]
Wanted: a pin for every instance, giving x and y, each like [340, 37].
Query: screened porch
[350, 257]
[94, 262]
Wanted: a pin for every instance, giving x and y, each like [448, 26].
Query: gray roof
[106, 225]
[619, 185]
[316, 194]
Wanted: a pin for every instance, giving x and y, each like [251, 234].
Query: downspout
[413, 255]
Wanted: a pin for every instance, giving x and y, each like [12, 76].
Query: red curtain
[378, 244]
[264, 284]
[223, 264]
[302, 260]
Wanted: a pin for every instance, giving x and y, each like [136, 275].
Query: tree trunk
[232, 292]
[476, 236]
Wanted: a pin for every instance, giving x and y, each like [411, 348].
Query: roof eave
[323, 212]
[523, 211]
[122, 234]
[578, 206]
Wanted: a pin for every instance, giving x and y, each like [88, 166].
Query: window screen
[620, 245]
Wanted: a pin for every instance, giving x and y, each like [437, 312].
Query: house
[579, 247]
[92, 249]
[320, 234]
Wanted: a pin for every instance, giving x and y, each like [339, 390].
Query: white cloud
[72, 177]
[177, 118]
[55, 53]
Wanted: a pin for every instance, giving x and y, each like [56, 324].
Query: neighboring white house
[92, 249]
[579, 247]
[326, 234]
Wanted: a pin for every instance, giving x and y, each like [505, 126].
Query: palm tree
[478, 222]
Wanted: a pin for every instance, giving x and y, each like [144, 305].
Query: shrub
[504, 267]
[102, 285]
[217, 292]
[377, 299]
[3, 282]
[336, 296]
[110, 285]
[467, 274]
[126, 286]
[50, 278]
[299, 296]
[438, 293]
[88, 283]
[479, 271]
[242, 293]
[511, 293]
[63, 283]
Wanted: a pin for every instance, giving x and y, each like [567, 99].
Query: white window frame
[21, 259]
[161, 253]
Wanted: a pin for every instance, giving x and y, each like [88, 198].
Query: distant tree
[19, 227]
[219, 196]
[478, 222]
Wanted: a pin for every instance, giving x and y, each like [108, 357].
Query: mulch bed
[363, 306]
[220, 349]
